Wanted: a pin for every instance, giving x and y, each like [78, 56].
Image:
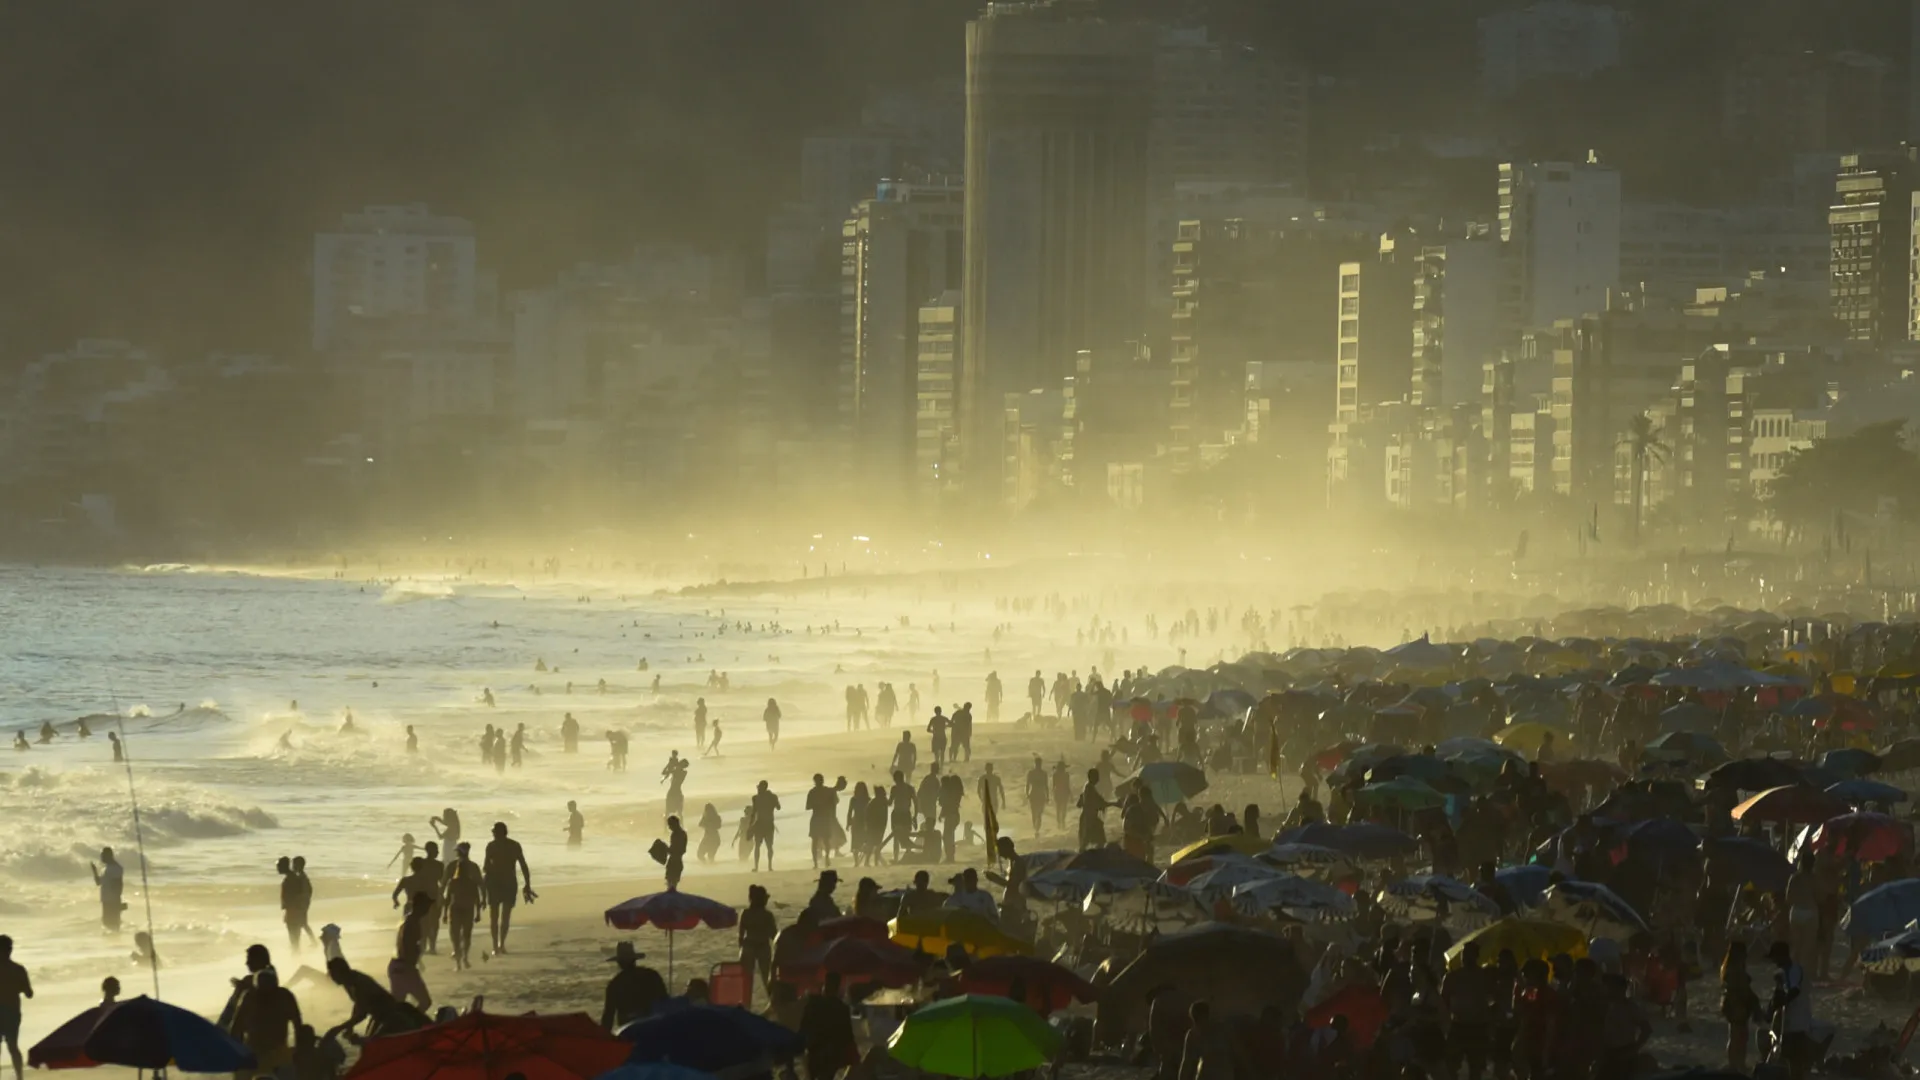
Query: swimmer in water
[81, 729]
[413, 741]
[486, 697]
[20, 743]
[576, 824]
[47, 733]
[286, 743]
[346, 726]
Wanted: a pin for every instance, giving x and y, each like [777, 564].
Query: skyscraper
[1870, 273]
[393, 263]
[899, 250]
[1059, 109]
[1561, 223]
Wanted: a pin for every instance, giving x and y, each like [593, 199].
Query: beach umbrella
[1690, 746]
[655, 1070]
[1867, 791]
[1231, 701]
[932, 931]
[1171, 781]
[490, 1046]
[856, 960]
[671, 911]
[1150, 907]
[711, 1038]
[1689, 716]
[1850, 761]
[1581, 772]
[1746, 860]
[1524, 883]
[1597, 911]
[1530, 938]
[1894, 953]
[1403, 793]
[1227, 874]
[1421, 898]
[1062, 886]
[65, 1048]
[148, 1034]
[1796, 804]
[1048, 986]
[1361, 840]
[1526, 736]
[1753, 774]
[1113, 861]
[1421, 655]
[1361, 1004]
[1240, 843]
[1290, 893]
[972, 1036]
[850, 926]
[1867, 837]
[1306, 858]
[1901, 756]
[1885, 909]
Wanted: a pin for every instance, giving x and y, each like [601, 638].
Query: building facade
[1871, 279]
[1561, 224]
[394, 262]
[1059, 113]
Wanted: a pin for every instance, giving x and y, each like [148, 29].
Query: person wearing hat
[822, 903]
[633, 991]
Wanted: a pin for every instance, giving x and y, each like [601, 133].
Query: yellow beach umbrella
[931, 932]
[1526, 736]
[1240, 843]
[1530, 939]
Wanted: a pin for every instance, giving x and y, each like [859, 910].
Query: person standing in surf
[765, 805]
[772, 718]
[674, 775]
[111, 882]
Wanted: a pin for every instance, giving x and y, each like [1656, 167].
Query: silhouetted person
[676, 852]
[466, 894]
[14, 985]
[447, 828]
[576, 824]
[504, 858]
[569, 735]
[119, 752]
[633, 991]
[111, 879]
[772, 718]
[372, 1005]
[826, 1023]
[765, 805]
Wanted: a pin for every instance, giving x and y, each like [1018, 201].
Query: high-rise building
[1457, 326]
[1561, 224]
[1228, 113]
[837, 171]
[1581, 352]
[388, 263]
[1552, 39]
[1374, 363]
[936, 432]
[899, 251]
[1059, 109]
[1871, 279]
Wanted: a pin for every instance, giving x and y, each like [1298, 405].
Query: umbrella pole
[669, 961]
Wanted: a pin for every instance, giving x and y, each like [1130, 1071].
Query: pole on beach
[140, 842]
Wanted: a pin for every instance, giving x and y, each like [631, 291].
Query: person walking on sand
[110, 878]
[1036, 694]
[1062, 793]
[699, 723]
[905, 755]
[466, 893]
[765, 805]
[576, 824]
[298, 901]
[937, 727]
[772, 719]
[14, 985]
[823, 824]
[994, 695]
[503, 859]
[713, 748]
[676, 852]
[1037, 793]
[1093, 829]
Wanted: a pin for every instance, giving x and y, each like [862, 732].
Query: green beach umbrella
[974, 1036]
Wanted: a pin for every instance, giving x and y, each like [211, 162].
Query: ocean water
[203, 669]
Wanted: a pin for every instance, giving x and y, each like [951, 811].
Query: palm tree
[1643, 442]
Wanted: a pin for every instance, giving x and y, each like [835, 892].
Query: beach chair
[729, 984]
